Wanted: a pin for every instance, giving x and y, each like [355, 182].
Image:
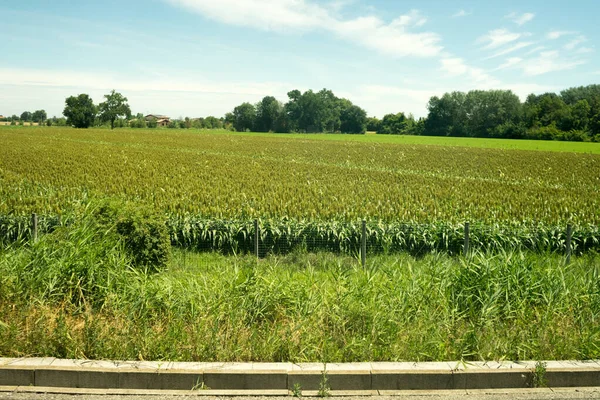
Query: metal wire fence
[358, 238]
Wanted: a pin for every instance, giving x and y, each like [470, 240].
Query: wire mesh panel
[281, 236]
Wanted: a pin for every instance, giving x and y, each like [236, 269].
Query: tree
[353, 119]
[393, 124]
[80, 111]
[26, 116]
[39, 116]
[268, 112]
[373, 124]
[447, 115]
[114, 107]
[244, 117]
[486, 110]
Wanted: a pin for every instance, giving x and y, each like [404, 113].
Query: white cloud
[548, 61]
[498, 37]
[390, 39]
[553, 35]
[520, 19]
[461, 13]
[575, 42]
[511, 62]
[455, 66]
[535, 50]
[278, 15]
[585, 50]
[287, 16]
[511, 49]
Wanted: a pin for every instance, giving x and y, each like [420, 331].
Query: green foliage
[26, 116]
[39, 116]
[297, 390]
[143, 232]
[538, 375]
[244, 117]
[80, 111]
[114, 107]
[324, 389]
[307, 308]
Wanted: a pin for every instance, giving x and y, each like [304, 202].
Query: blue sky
[203, 57]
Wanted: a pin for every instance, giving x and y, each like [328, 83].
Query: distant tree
[244, 117]
[211, 122]
[393, 124]
[447, 115]
[26, 116]
[353, 119]
[39, 116]
[268, 112]
[485, 110]
[114, 107]
[80, 111]
[373, 124]
[14, 117]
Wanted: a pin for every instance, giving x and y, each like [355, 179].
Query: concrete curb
[278, 379]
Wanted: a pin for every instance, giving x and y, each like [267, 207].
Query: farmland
[78, 292]
[227, 175]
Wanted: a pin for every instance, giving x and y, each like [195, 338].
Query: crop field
[83, 288]
[211, 185]
[227, 175]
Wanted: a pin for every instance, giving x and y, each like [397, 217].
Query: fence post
[466, 247]
[34, 227]
[363, 244]
[256, 238]
[569, 236]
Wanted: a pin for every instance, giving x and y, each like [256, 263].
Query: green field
[316, 177]
[85, 287]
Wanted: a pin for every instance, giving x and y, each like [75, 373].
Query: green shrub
[144, 233]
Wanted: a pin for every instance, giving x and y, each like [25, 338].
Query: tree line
[308, 112]
[572, 114]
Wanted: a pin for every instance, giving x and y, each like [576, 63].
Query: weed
[297, 390]
[324, 389]
[200, 385]
[538, 375]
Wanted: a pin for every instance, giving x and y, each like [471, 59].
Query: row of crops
[308, 193]
[283, 236]
[229, 176]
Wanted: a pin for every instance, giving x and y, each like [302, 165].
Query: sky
[203, 57]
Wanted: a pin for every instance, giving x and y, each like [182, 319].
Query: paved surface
[534, 394]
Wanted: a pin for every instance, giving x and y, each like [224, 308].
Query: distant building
[2, 116]
[161, 120]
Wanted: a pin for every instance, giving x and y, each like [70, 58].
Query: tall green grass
[89, 300]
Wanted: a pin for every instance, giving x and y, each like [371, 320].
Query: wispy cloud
[575, 42]
[549, 61]
[553, 35]
[511, 62]
[535, 50]
[461, 13]
[511, 49]
[455, 66]
[396, 38]
[520, 19]
[498, 37]
[585, 50]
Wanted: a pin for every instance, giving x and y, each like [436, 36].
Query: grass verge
[301, 307]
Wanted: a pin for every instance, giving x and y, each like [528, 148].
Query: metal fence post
[256, 238]
[34, 227]
[569, 236]
[466, 247]
[363, 244]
